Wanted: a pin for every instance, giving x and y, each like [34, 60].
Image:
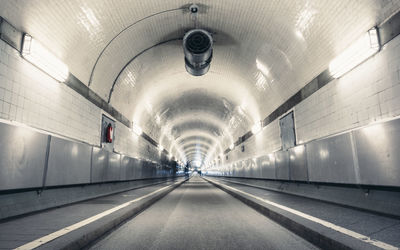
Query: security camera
[194, 8]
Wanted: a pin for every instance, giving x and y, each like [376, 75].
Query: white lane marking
[43, 240]
[340, 229]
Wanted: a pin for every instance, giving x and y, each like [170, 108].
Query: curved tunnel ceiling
[131, 54]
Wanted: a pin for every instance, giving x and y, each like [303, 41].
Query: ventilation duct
[197, 46]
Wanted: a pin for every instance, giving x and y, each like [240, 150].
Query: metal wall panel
[146, 169]
[22, 157]
[298, 163]
[234, 169]
[242, 169]
[114, 165]
[282, 165]
[378, 153]
[125, 168]
[331, 160]
[132, 168]
[247, 165]
[238, 169]
[288, 135]
[139, 169]
[267, 166]
[69, 162]
[256, 169]
[99, 164]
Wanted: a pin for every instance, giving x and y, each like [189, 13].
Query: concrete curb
[83, 237]
[318, 235]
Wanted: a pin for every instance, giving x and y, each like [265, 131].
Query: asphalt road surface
[198, 215]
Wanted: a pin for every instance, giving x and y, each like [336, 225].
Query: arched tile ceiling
[129, 53]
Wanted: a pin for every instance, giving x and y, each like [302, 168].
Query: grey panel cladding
[69, 162]
[105, 165]
[331, 160]
[241, 169]
[23, 160]
[22, 157]
[298, 163]
[282, 165]
[131, 168]
[367, 156]
[378, 153]
[125, 167]
[255, 168]
[114, 163]
[267, 166]
[248, 168]
[99, 164]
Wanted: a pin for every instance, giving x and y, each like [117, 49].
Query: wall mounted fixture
[39, 56]
[256, 128]
[363, 48]
[136, 129]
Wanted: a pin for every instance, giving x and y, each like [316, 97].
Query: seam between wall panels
[306, 162]
[91, 164]
[46, 163]
[355, 158]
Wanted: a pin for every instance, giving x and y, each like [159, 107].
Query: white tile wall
[130, 144]
[267, 141]
[367, 94]
[31, 97]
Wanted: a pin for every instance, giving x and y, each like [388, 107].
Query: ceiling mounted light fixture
[197, 47]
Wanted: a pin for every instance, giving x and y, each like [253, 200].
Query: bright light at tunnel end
[359, 51]
[39, 56]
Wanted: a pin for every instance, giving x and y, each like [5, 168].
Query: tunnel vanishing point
[220, 124]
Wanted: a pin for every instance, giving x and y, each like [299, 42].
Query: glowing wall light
[256, 128]
[362, 49]
[136, 129]
[232, 146]
[39, 56]
[160, 148]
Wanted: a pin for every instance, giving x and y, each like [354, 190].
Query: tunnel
[220, 124]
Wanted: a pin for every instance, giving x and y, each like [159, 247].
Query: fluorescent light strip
[39, 56]
[359, 51]
[136, 129]
[256, 128]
